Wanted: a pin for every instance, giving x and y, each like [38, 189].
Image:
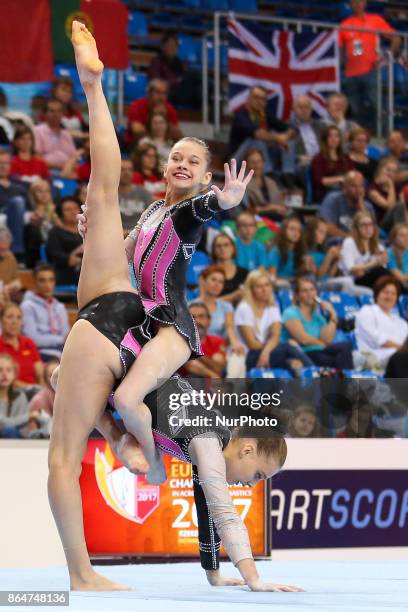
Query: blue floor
[331, 586]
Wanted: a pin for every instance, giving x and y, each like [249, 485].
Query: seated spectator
[82, 192]
[359, 425]
[139, 111]
[78, 167]
[255, 126]
[263, 194]
[303, 423]
[362, 256]
[214, 361]
[337, 105]
[25, 165]
[398, 148]
[64, 244]
[9, 279]
[314, 326]
[287, 257]
[222, 313]
[251, 254]
[148, 173]
[330, 165]
[398, 253]
[380, 331]
[305, 145]
[14, 412]
[72, 118]
[133, 199]
[259, 324]
[324, 261]
[13, 203]
[397, 366]
[20, 348]
[45, 319]
[158, 135]
[52, 142]
[41, 406]
[339, 207]
[382, 193]
[359, 139]
[39, 221]
[223, 254]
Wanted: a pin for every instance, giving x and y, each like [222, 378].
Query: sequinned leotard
[168, 237]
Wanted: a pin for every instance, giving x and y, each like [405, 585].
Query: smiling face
[245, 465]
[187, 171]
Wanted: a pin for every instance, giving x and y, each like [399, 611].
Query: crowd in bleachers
[307, 277]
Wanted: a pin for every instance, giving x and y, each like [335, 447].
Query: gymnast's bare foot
[157, 472]
[96, 582]
[87, 59]
[129, 452]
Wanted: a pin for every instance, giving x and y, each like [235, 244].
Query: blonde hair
[199, 142]
[10, 390]
[50, 210]
[251, 280]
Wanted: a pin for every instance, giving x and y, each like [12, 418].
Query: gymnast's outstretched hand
[234, 187]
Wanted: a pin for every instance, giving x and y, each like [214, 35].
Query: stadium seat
[216, 5]
[310, 372]
[243, 6]
[191, 294]
[198, 262]
[137, 25]
[344, 304]
[193, 22]
[164, 20]
[360, 374]
[187, 50]
[285, 297]
[403, 305]
[66, 187]
[270, 373]
[135, 84]
[43, 253]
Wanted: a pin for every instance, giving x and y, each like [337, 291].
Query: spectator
[397, 148]
[359, 139]
[39, 221]
[339, 207]
[133, 199]
[362, 58]
[13, 203]
[214, 348]
[286, 259]
[25, 165]
[148, 173]
[52, 142]
[45, 319]
[41, 406]
[305, 144]
[362, 257]
[255, 126]
[251, 254]
[397, 366]
[14, 411]
[20, 348]
[158, 135]
[223, 254]
[380, 331]
[359, 425]
[330, 165]
[10, 284]
[222, 313]
[263, 194]
[398, 253]
[303, 423]
[324, 261]
[64, 244]
[259, 324]
[78, 167]
[72, 118]
[384, 197]
[139, 111]
[313, 326]
[82, 192]
[337, 105]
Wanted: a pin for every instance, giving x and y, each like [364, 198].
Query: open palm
[234, 187]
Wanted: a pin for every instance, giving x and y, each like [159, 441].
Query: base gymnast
[91, 365]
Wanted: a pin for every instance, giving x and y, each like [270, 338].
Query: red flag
[25, 41]
[109, 19]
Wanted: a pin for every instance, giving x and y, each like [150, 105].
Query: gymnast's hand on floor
[82, 219]
[215, 579]
[259, 585]
[234, 187]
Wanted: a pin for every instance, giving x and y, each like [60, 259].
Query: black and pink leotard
[168, 236]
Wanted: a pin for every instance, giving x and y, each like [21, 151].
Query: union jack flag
[285, 64]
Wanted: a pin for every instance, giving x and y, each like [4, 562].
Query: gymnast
[92, 365]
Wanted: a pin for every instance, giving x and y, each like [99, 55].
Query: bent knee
[63, 463]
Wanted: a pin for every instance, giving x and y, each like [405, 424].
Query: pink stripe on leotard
[168, 446]
[130, 343]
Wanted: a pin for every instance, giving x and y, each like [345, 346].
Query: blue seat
[374, 152]
[187, 50]
[243, 6]
[193, 22]
[43, 253]
[191, 294]
[403, 306]
[310, 372]
[164, 20]
[137, 25]
[344, 304]
[135, 84]
[360, 374]
[215, 5]
[198, 262]
[270, 373]
[66, 187]
[285, 297]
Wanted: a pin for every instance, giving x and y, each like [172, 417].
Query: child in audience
[13, 402]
